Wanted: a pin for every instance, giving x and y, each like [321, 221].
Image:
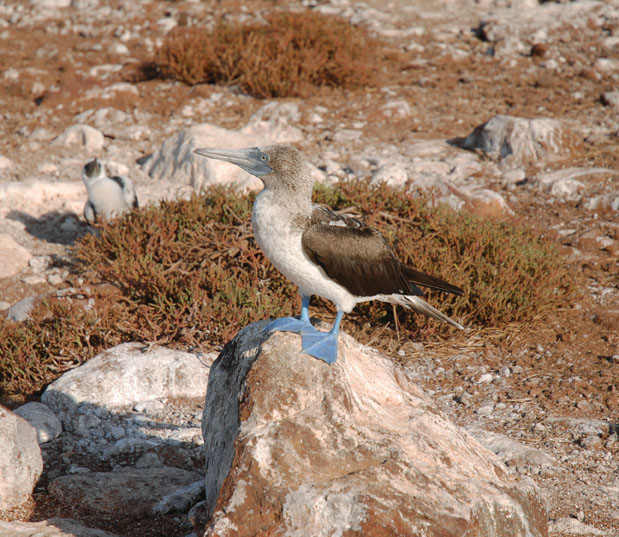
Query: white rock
[394, 175]
[46, 423]
[511, 451]
[111, 92]
[54, 527]
[609, 202]
[167, 24]
[50, 3]
[611, 99]
[568, 183]
[120, 377]
[119, 48]
[11, 74]
[13, 257]
[83, 135]
[175, 160]
[483, 200]
[397, 108]
[21, 464]
[573, 526]
[516, 141]
[606, 65]
[103, 117]
[84, 4]
[41, 134]
[346, 135]
[39, 263]
[6, 163]
[36, 197]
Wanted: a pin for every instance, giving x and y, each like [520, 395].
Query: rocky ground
[552, 389]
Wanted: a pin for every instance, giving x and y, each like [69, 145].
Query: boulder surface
[21, 463]
[297, 447]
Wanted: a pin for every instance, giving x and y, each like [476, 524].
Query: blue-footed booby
[327, 254]
[107, 196]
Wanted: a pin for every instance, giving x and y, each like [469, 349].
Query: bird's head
[92, 170]
[278, 166]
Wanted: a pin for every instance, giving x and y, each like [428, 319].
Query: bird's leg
[292, 324]
[323, 345]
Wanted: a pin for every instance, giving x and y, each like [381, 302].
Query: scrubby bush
[189, 274]
[289, 56]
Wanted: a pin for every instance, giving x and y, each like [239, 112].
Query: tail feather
[425, 280]
[416, 303]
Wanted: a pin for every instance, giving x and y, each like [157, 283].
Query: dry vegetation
[289, 56]
[188, 273]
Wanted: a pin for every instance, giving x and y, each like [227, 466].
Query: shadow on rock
[126, 444]
[59, 227]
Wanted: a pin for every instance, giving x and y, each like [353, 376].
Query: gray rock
[54, 527]
[21, 464]
[353, 447]
[611, 99]
[573, 526]
[607, 202]
[84, 136]
[20, 311]
[513, 30]
[46, 423]
[39, 263]
[13, 257]
[175, 160]
[510, 451]
[516, 141]
[569, 183]
[133, 492]
[181, 500]
[120, 377]
[50, 3]
[392, 174]
[111, 92]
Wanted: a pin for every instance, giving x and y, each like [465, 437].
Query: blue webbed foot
[322, 345]
[290, 324]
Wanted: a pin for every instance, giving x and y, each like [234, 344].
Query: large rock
[13, 257]
[175, 160]
[54, 527]
[517, 141]
[84, 136]
[515, 29]
[569, 183]
[132, 492]
[511, 451]
[128, 374]
[21, 464]
[297, 447]
[45, 422]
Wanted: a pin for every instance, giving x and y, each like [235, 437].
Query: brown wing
[354, 255]
[358, 257]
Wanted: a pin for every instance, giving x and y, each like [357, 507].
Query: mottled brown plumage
[359, 258]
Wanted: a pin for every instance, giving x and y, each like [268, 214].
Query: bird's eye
[263, 157]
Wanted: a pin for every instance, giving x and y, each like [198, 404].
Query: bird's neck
[297, 204]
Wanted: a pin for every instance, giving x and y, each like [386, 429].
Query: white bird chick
[108, 197]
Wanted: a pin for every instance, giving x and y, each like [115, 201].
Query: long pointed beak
[252, 160]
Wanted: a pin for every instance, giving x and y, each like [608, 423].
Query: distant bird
[107, 196]
[324, 253]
